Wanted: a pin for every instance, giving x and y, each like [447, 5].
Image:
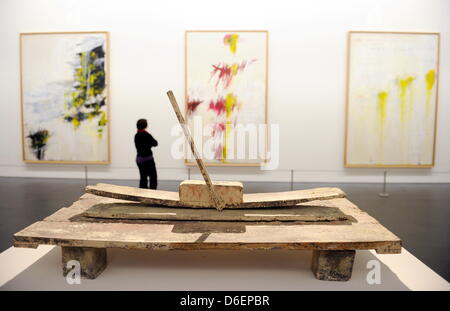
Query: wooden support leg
[92, 260]
[333, 265]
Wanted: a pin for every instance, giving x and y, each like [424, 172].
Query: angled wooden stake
[217, 201]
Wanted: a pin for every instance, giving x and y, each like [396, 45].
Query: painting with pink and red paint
[226, 74]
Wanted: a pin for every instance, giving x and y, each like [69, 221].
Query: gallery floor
[417, 213]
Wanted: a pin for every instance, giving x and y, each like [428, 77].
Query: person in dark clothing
[144, 142]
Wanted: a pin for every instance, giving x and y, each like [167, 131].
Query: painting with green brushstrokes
[65, 97]
[392, 99]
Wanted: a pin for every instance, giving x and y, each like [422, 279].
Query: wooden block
[334, 265]
[92, 260]
[196, 193]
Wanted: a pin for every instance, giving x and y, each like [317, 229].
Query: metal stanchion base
[383, 194]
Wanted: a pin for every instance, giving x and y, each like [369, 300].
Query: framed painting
[65, 98]
[392, 92]
[226, 96]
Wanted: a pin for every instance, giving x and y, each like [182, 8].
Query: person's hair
[141, 124]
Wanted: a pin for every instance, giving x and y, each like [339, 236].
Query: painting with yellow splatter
[65, 97]
[226, 78]
[391, 99]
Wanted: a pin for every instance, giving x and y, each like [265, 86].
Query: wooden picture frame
[404, 85]
[96, 110]
[265, 33]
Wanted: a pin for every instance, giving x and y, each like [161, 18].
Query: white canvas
[227, 68]
[392, 98]
[64, 97]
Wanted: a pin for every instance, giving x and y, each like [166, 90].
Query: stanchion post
[383, 193]
[292, 180]
[85, 176]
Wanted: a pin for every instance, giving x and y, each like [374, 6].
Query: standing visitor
[144, 142]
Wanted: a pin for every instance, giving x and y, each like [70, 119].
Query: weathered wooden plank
[136, 211]
[289, 198]
[252, 200]
[347, 207]
[102, 235]
[146, 196]
[143, 236]
[354, 233]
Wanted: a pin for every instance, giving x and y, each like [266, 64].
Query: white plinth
[40, 269]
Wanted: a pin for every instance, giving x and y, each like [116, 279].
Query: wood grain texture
[250, 200]
[196, 193]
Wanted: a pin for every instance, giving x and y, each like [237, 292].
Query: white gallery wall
[306, 87]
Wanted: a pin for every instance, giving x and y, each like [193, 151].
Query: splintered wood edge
[22, 244]
[133, 198]
[390, 249]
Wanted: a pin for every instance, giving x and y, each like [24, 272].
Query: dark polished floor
[418, 213]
